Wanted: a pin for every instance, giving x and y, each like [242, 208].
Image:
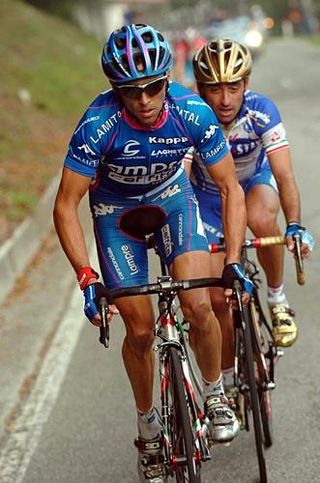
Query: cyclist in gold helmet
[252, 125]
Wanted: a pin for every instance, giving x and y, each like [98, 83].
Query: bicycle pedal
[271, 385]
[280, 352]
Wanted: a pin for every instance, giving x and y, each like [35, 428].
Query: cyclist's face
[144, 104]
[225, 98]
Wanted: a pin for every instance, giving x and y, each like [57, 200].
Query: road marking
[22, 442]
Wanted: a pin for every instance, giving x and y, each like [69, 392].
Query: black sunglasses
[135, 91]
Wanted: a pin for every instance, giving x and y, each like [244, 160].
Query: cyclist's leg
[263, 206]
[210, 210]
[184, 246]
[123, 262]
[262, 210]
[205, 335]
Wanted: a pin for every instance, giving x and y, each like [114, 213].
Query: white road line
[22, 442]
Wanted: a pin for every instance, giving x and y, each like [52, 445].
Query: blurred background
[188, 23]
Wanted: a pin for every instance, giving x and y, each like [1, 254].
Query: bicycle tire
[261, 348]
[182, 433]
[254, 397]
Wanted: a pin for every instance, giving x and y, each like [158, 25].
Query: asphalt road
[67, 413]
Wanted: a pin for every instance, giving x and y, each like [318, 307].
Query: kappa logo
[275, 136]
[86, 149]
[170, 191]
[210, 132]
[103, 210]
[128, 148]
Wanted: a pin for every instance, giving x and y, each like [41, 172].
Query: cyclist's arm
[281, 166]
[187, 160]
[73, 187]
[233, 206]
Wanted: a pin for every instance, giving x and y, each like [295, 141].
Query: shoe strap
[146, 446]
[282, 309]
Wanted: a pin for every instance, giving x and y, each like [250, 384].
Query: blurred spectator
[184, 48]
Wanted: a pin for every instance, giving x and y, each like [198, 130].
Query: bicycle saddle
[142, 221]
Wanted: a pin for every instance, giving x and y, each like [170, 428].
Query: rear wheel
[186, 468]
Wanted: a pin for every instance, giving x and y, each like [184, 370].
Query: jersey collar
[129, 119]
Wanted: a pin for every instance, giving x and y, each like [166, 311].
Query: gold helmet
[222, 60]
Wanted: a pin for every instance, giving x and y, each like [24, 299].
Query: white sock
[214, 388]
[228, 377]
[276, 296]
[148, 424]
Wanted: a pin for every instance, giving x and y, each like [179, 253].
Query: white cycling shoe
[224, 425]
[151, 468]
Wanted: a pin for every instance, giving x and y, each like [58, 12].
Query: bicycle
[256, 352]
[185, 427]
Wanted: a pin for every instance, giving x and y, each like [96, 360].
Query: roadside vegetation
[49, 72]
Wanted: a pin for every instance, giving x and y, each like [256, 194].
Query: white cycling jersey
[256, 132]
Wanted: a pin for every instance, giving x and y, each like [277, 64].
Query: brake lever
[301, 276]
[104, 327]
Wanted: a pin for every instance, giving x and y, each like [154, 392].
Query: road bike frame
[256, 352]
[185, 427]
[186, 439]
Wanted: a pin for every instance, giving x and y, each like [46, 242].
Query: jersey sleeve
[83, 154]
[272, 131]
[211, 145]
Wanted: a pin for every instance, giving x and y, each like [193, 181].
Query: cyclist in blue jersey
[256, 136]
[127, 150]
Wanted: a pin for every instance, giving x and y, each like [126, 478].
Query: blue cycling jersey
[126, 158]
[256, 132]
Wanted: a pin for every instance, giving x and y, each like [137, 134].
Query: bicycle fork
[169, 335]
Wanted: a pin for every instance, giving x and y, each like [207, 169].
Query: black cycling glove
[92, 295]
[234, 271]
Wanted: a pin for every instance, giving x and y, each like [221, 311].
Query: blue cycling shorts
[123, 258]
[210, 204]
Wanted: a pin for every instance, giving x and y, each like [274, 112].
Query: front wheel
[184, 460]
[264, 359]
[253, 391]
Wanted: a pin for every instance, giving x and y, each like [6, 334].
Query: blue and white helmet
[135, 51]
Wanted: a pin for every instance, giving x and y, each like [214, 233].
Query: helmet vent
[162, 54]
[139, 62]
[120, 43]
[147, 37]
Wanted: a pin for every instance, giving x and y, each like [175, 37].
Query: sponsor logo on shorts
[170, 191]
[180, 230]
[166, 238]
[128, 255]
[102, 210]
[115, 264]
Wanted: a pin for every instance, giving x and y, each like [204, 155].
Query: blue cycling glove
[92, 295]
[294, 228]
[234, 271]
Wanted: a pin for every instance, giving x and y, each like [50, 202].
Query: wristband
[293, 222]
[84, 275]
